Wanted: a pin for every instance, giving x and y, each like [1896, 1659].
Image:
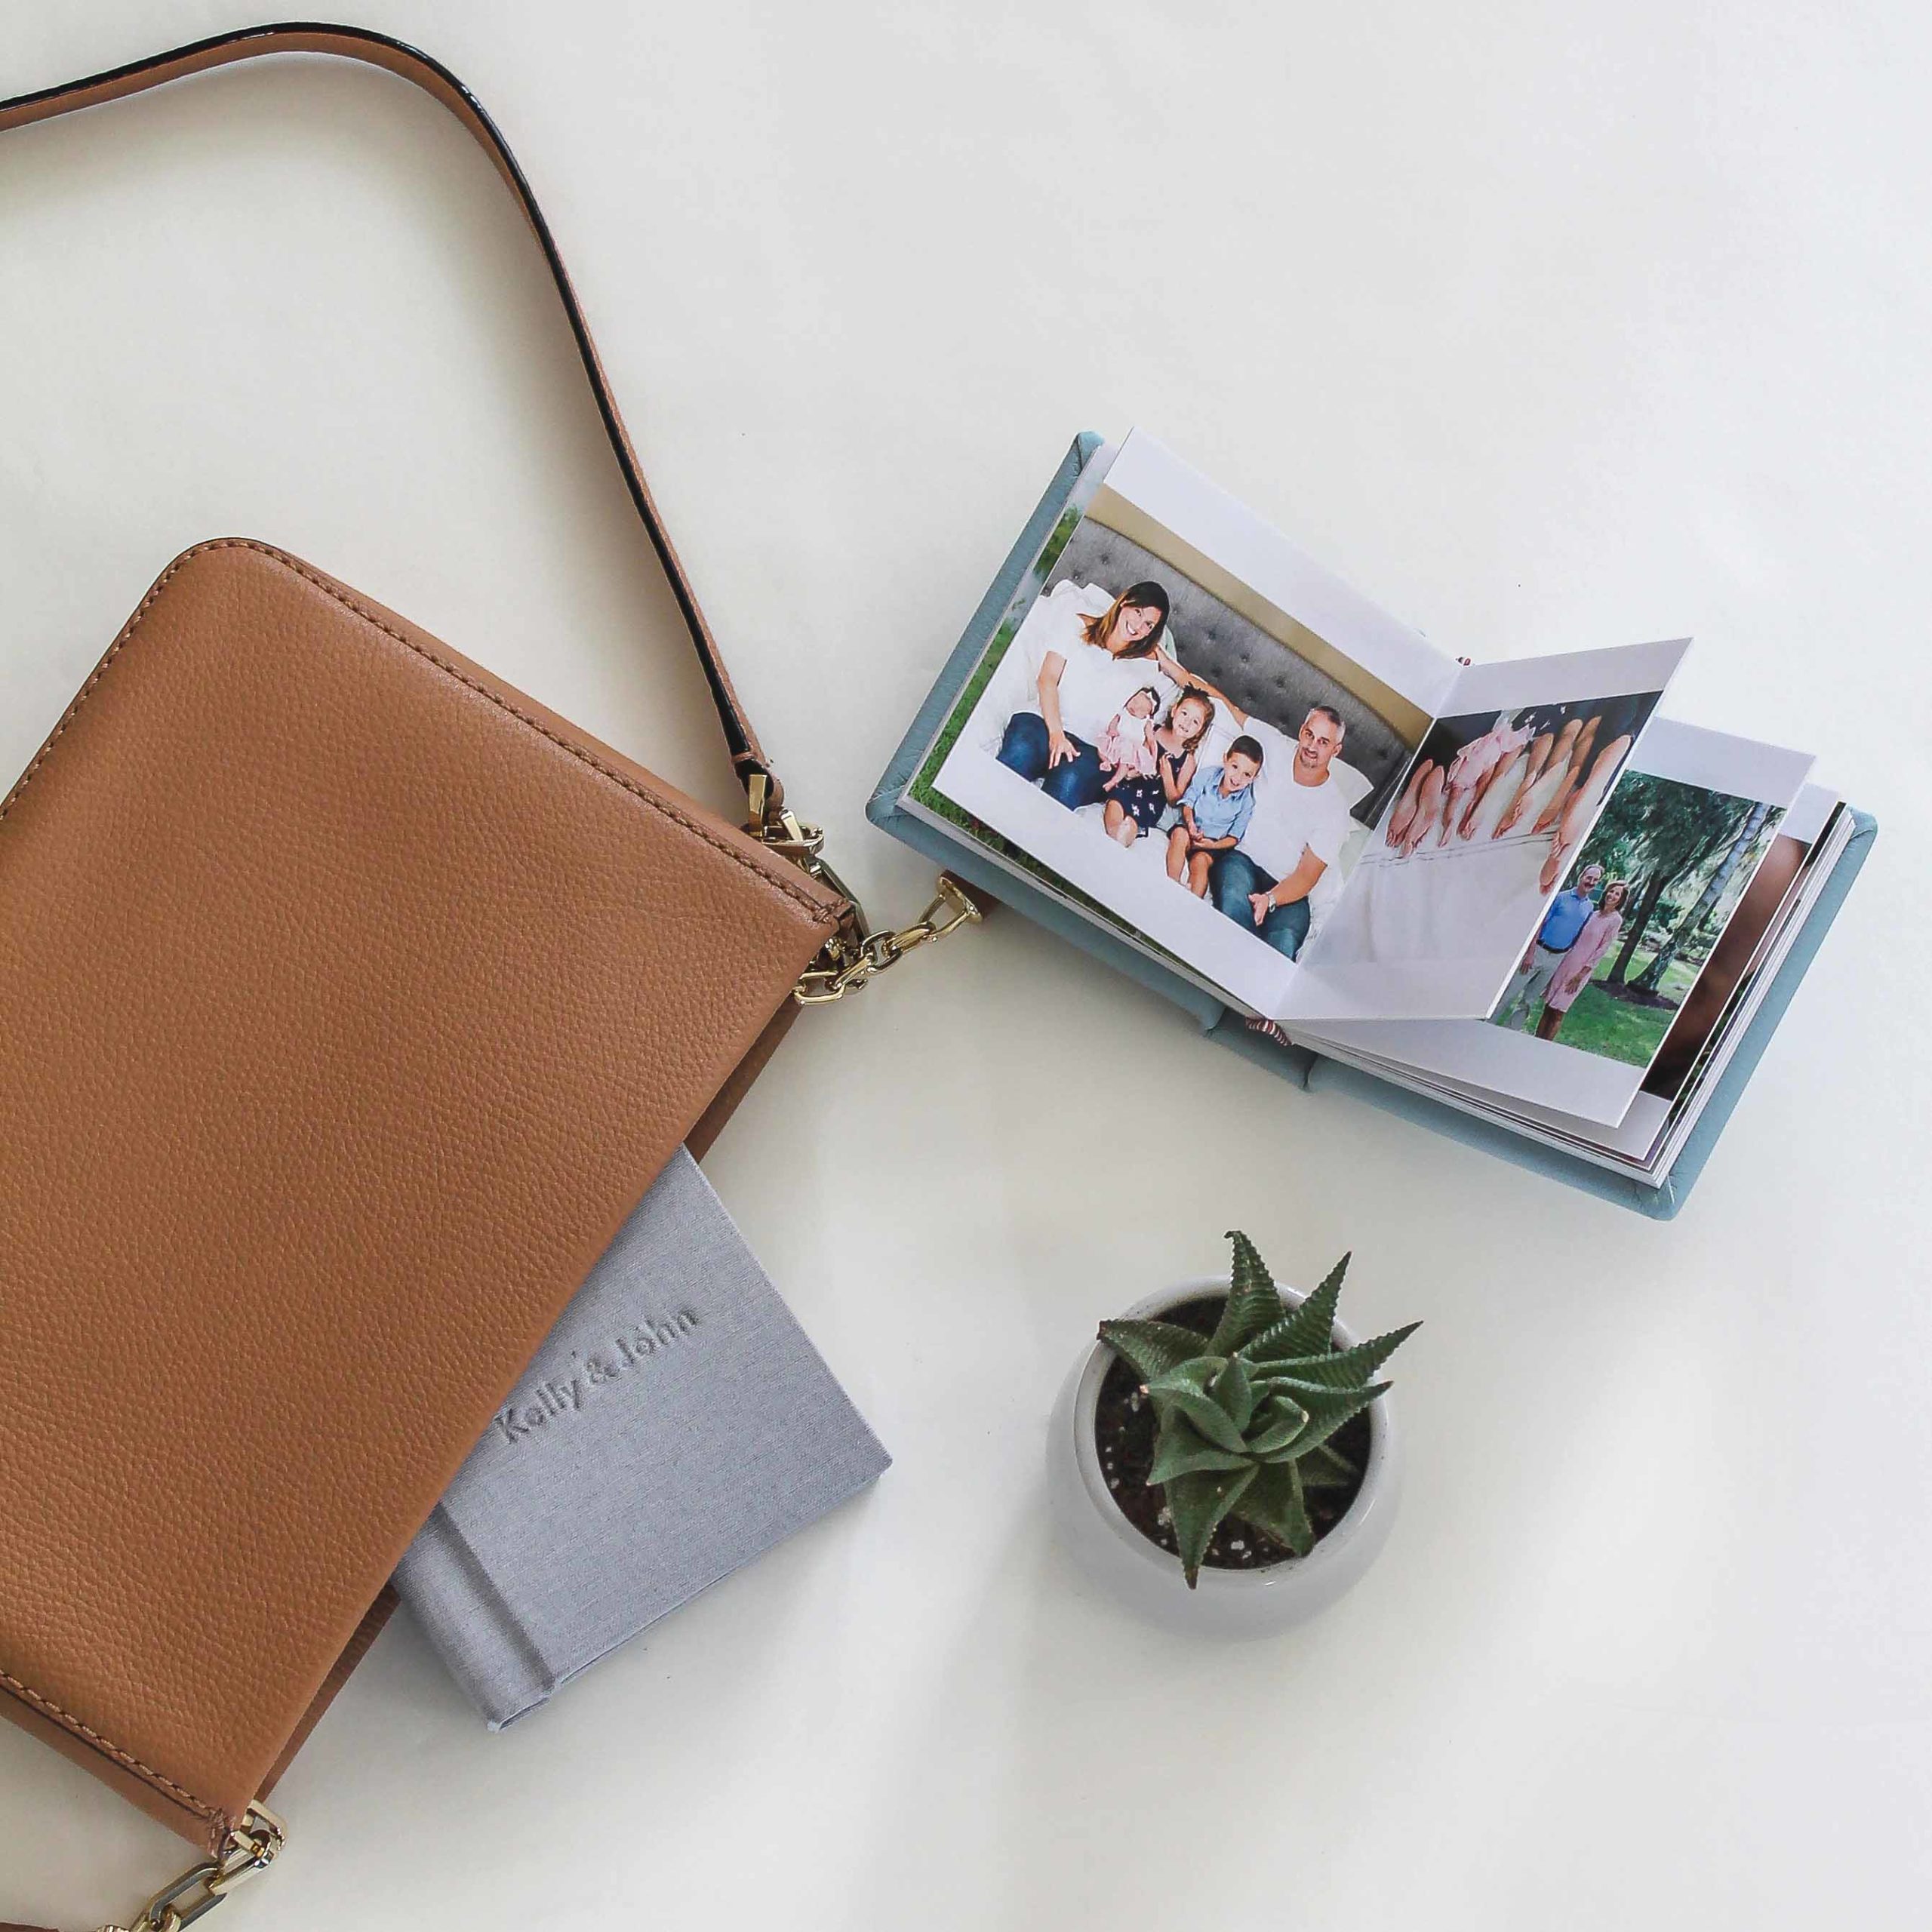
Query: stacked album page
[1512, 885]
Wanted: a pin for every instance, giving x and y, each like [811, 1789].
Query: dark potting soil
[1124, 1424]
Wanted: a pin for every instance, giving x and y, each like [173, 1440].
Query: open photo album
[1513, 888]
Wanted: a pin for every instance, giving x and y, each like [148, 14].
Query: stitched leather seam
[67, 1721]
[576, 752]
[794, 893]
[87, 690]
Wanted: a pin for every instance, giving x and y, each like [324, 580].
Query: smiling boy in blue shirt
[1214, 812]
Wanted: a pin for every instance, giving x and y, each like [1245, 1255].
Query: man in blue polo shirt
[1568, 911]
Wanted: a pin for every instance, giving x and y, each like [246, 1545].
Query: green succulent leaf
[1206, 1414]
[1340, 1368]
[1325, 1467]
[1235, 1392]
[1282, 1418]
[1309, 1330]
[1253, 1302]
[1273, 1501]
[1150, 1348]
[1198, 1370]
[1328, 1409]
[1197, 1504]
[1315, 1394]
[1181, 1388]
[1181, 1450]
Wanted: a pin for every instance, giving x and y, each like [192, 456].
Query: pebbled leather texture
[353, 1001]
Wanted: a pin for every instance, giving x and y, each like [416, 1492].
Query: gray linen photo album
[676, 1423]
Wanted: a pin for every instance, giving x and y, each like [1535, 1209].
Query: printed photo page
[1709, 1029]
[1465, 859]
[1182, 715]
[1636, 940]
[1189, 732]
[1712, 1027]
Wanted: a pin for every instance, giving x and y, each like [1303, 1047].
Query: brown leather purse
[352, 1000]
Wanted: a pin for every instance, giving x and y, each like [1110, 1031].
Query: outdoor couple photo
[1578, 930]
[1243, 799]
[1621, 949]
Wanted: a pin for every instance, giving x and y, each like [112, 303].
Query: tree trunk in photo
[1637, 925]
[1652, 977]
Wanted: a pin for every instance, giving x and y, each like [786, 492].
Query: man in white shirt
[1300, 822]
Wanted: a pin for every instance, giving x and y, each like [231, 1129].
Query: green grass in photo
[970, 692]
[1599, 1022]
[922, 788]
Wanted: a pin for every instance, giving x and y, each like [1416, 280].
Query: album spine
[489, 1653]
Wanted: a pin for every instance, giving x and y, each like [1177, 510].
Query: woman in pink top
[1477, 766]
[1597, 937]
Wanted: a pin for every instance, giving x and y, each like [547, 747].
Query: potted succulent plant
[1229, 1436]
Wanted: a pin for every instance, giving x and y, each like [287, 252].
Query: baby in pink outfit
[1126, 746]
[1472, 768]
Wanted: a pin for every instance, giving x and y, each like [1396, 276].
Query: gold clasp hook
[253, 1846]
[855, 954]
[845, 964]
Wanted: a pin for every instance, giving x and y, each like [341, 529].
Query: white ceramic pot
[1230, 1604]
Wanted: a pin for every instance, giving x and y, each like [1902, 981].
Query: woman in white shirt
[1097, 657]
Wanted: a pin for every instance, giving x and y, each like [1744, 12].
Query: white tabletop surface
[1548, 328]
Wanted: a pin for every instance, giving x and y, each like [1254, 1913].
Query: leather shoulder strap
[378, 49]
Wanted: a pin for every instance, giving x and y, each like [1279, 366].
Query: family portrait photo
[1205, 765]
[1158, 718]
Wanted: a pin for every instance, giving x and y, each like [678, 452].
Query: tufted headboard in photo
[1260, 674]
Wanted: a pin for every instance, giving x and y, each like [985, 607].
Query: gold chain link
[253, 1846]
[855, 954]
[846, 962]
